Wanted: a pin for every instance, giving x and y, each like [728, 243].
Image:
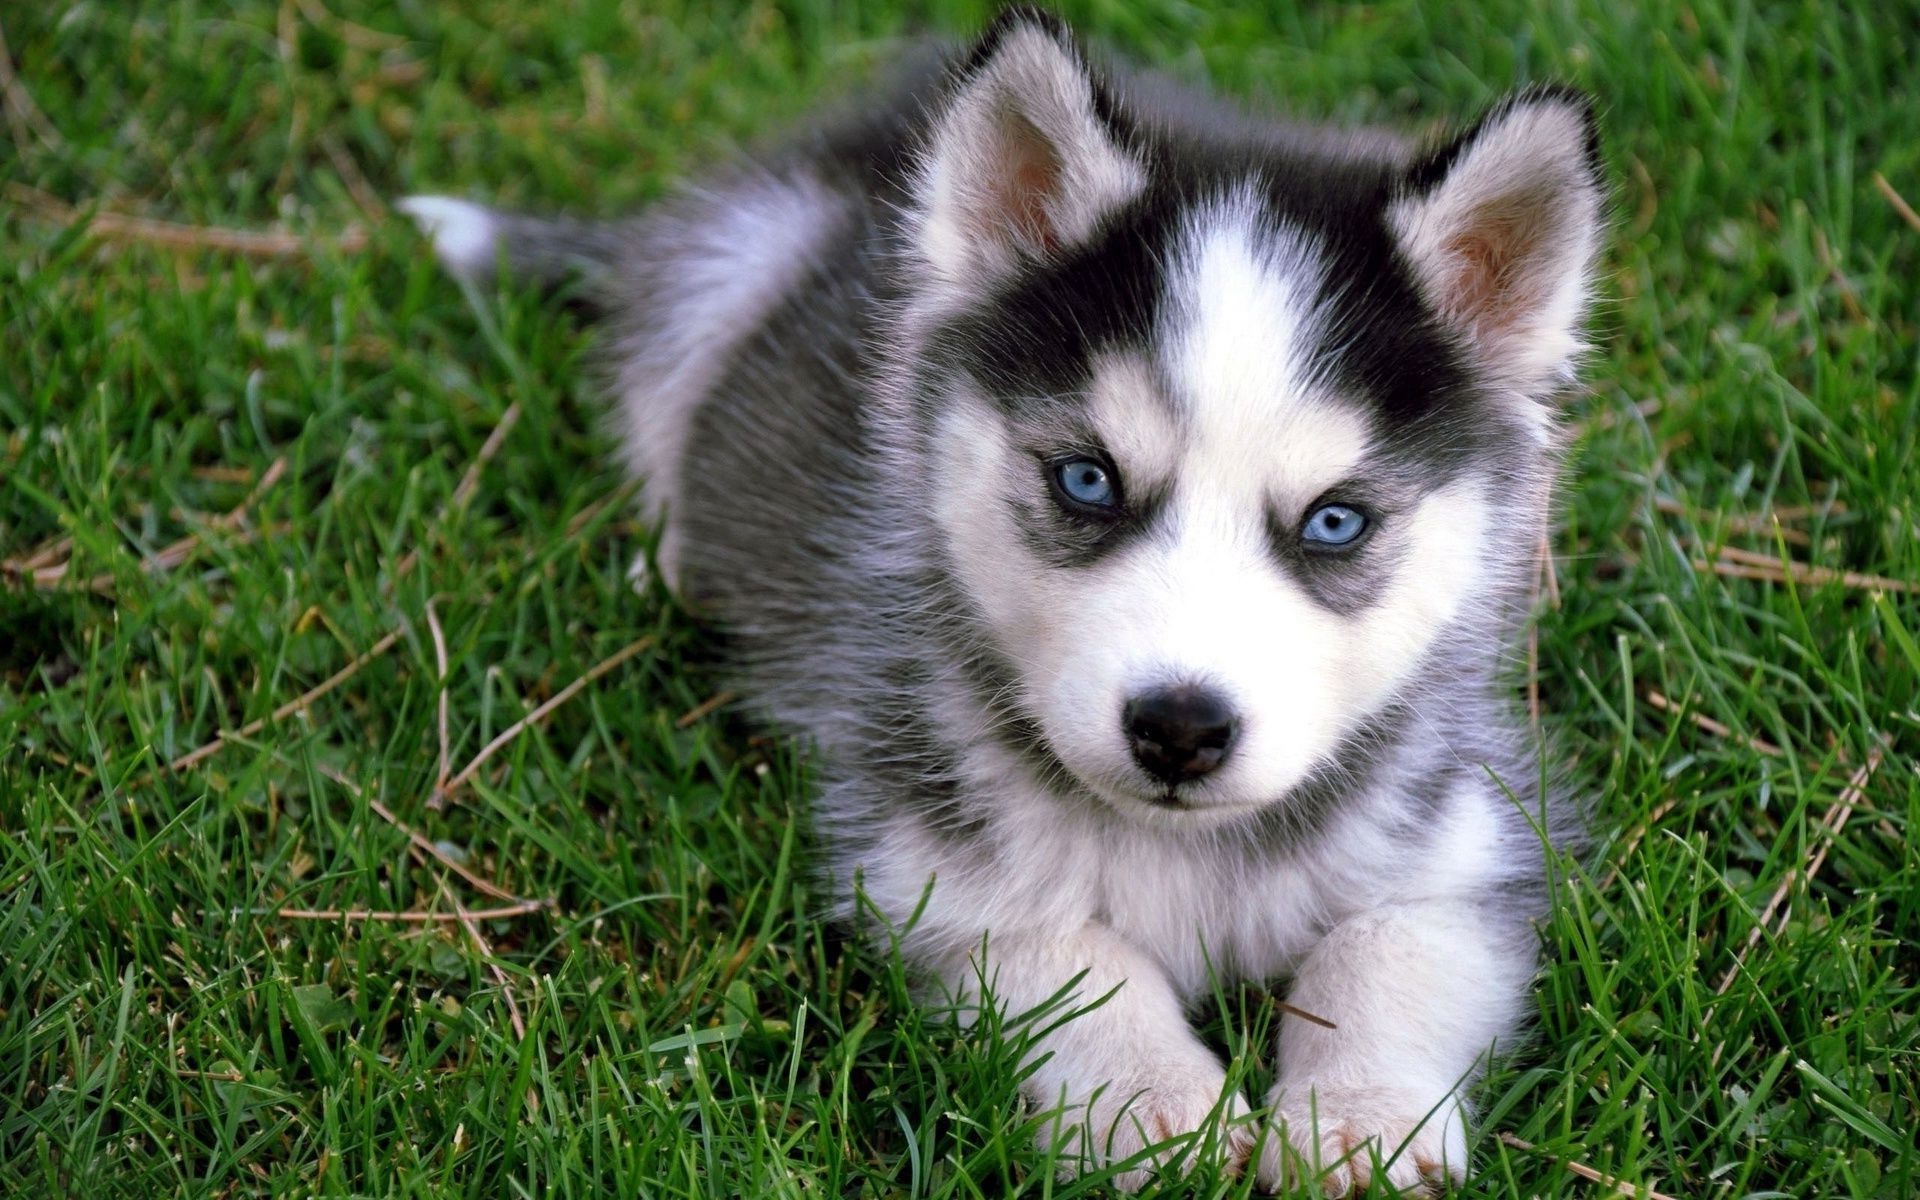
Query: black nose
[1179, 733]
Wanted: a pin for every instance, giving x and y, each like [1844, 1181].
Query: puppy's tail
[474, 242]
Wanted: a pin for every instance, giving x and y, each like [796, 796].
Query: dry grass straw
[174, 235]
[1830, 826]
[1584, 1171]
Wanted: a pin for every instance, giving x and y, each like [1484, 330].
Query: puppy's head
[1234, 440]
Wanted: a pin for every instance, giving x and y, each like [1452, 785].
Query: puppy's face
[1204, 553]
[1220, 469]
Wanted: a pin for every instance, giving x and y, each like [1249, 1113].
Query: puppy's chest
[1206, 909]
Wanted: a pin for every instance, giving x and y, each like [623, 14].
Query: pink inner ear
[1025, 185]
[1496, 283]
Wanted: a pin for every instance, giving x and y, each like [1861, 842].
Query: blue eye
[1333, 525]
[1084, 481]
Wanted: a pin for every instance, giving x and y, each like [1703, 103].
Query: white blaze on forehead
[1240, 347]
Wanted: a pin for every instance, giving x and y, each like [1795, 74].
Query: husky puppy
[1135, 502]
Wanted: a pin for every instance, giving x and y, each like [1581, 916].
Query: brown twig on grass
[1736, 563]
[1632, 841]
[470, 482]
[54, 756]
[1714, 727]
[176, 236]
[412, 916]
[1533, 679]
[1849, 299]
[1293, 1010]
[44, 573]
[360, 37]
[1899, 203]
[1550, 572]
[1545, 571]
[537, 715]
[422, 846]
[1834, 820]
[193, 757]
[165, 559]
[585, 516]
[692, 716]
[354, 180]
[1584, 1171]
[469, 923]
[1841, 812]
[1649, 206]
[216, 473]
[272, 475]
[1762, 526]
[1801, 512]
[22, 112]
[480, 943]
[485, 950]
[440, 685]
[287, 44]
[463, 492]
[47, 554]
[480, 883]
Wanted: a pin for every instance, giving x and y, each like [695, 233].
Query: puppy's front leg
[1120, 1076]
[1418, 993]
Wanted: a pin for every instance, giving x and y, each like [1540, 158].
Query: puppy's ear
[1501, 227]
[1022, 160]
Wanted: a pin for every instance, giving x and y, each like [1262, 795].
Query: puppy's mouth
[1175, 800]
[1171, 800]
[1181, 801]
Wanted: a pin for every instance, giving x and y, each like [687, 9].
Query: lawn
[363, 833]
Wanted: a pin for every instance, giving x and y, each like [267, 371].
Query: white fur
[465, 236]
[1419, 993]
[1244, 296]
[1117, 1077]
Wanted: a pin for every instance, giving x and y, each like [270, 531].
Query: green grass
[691, 1029]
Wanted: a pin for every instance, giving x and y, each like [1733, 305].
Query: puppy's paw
[1339, 1139]
[1154, 1107]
